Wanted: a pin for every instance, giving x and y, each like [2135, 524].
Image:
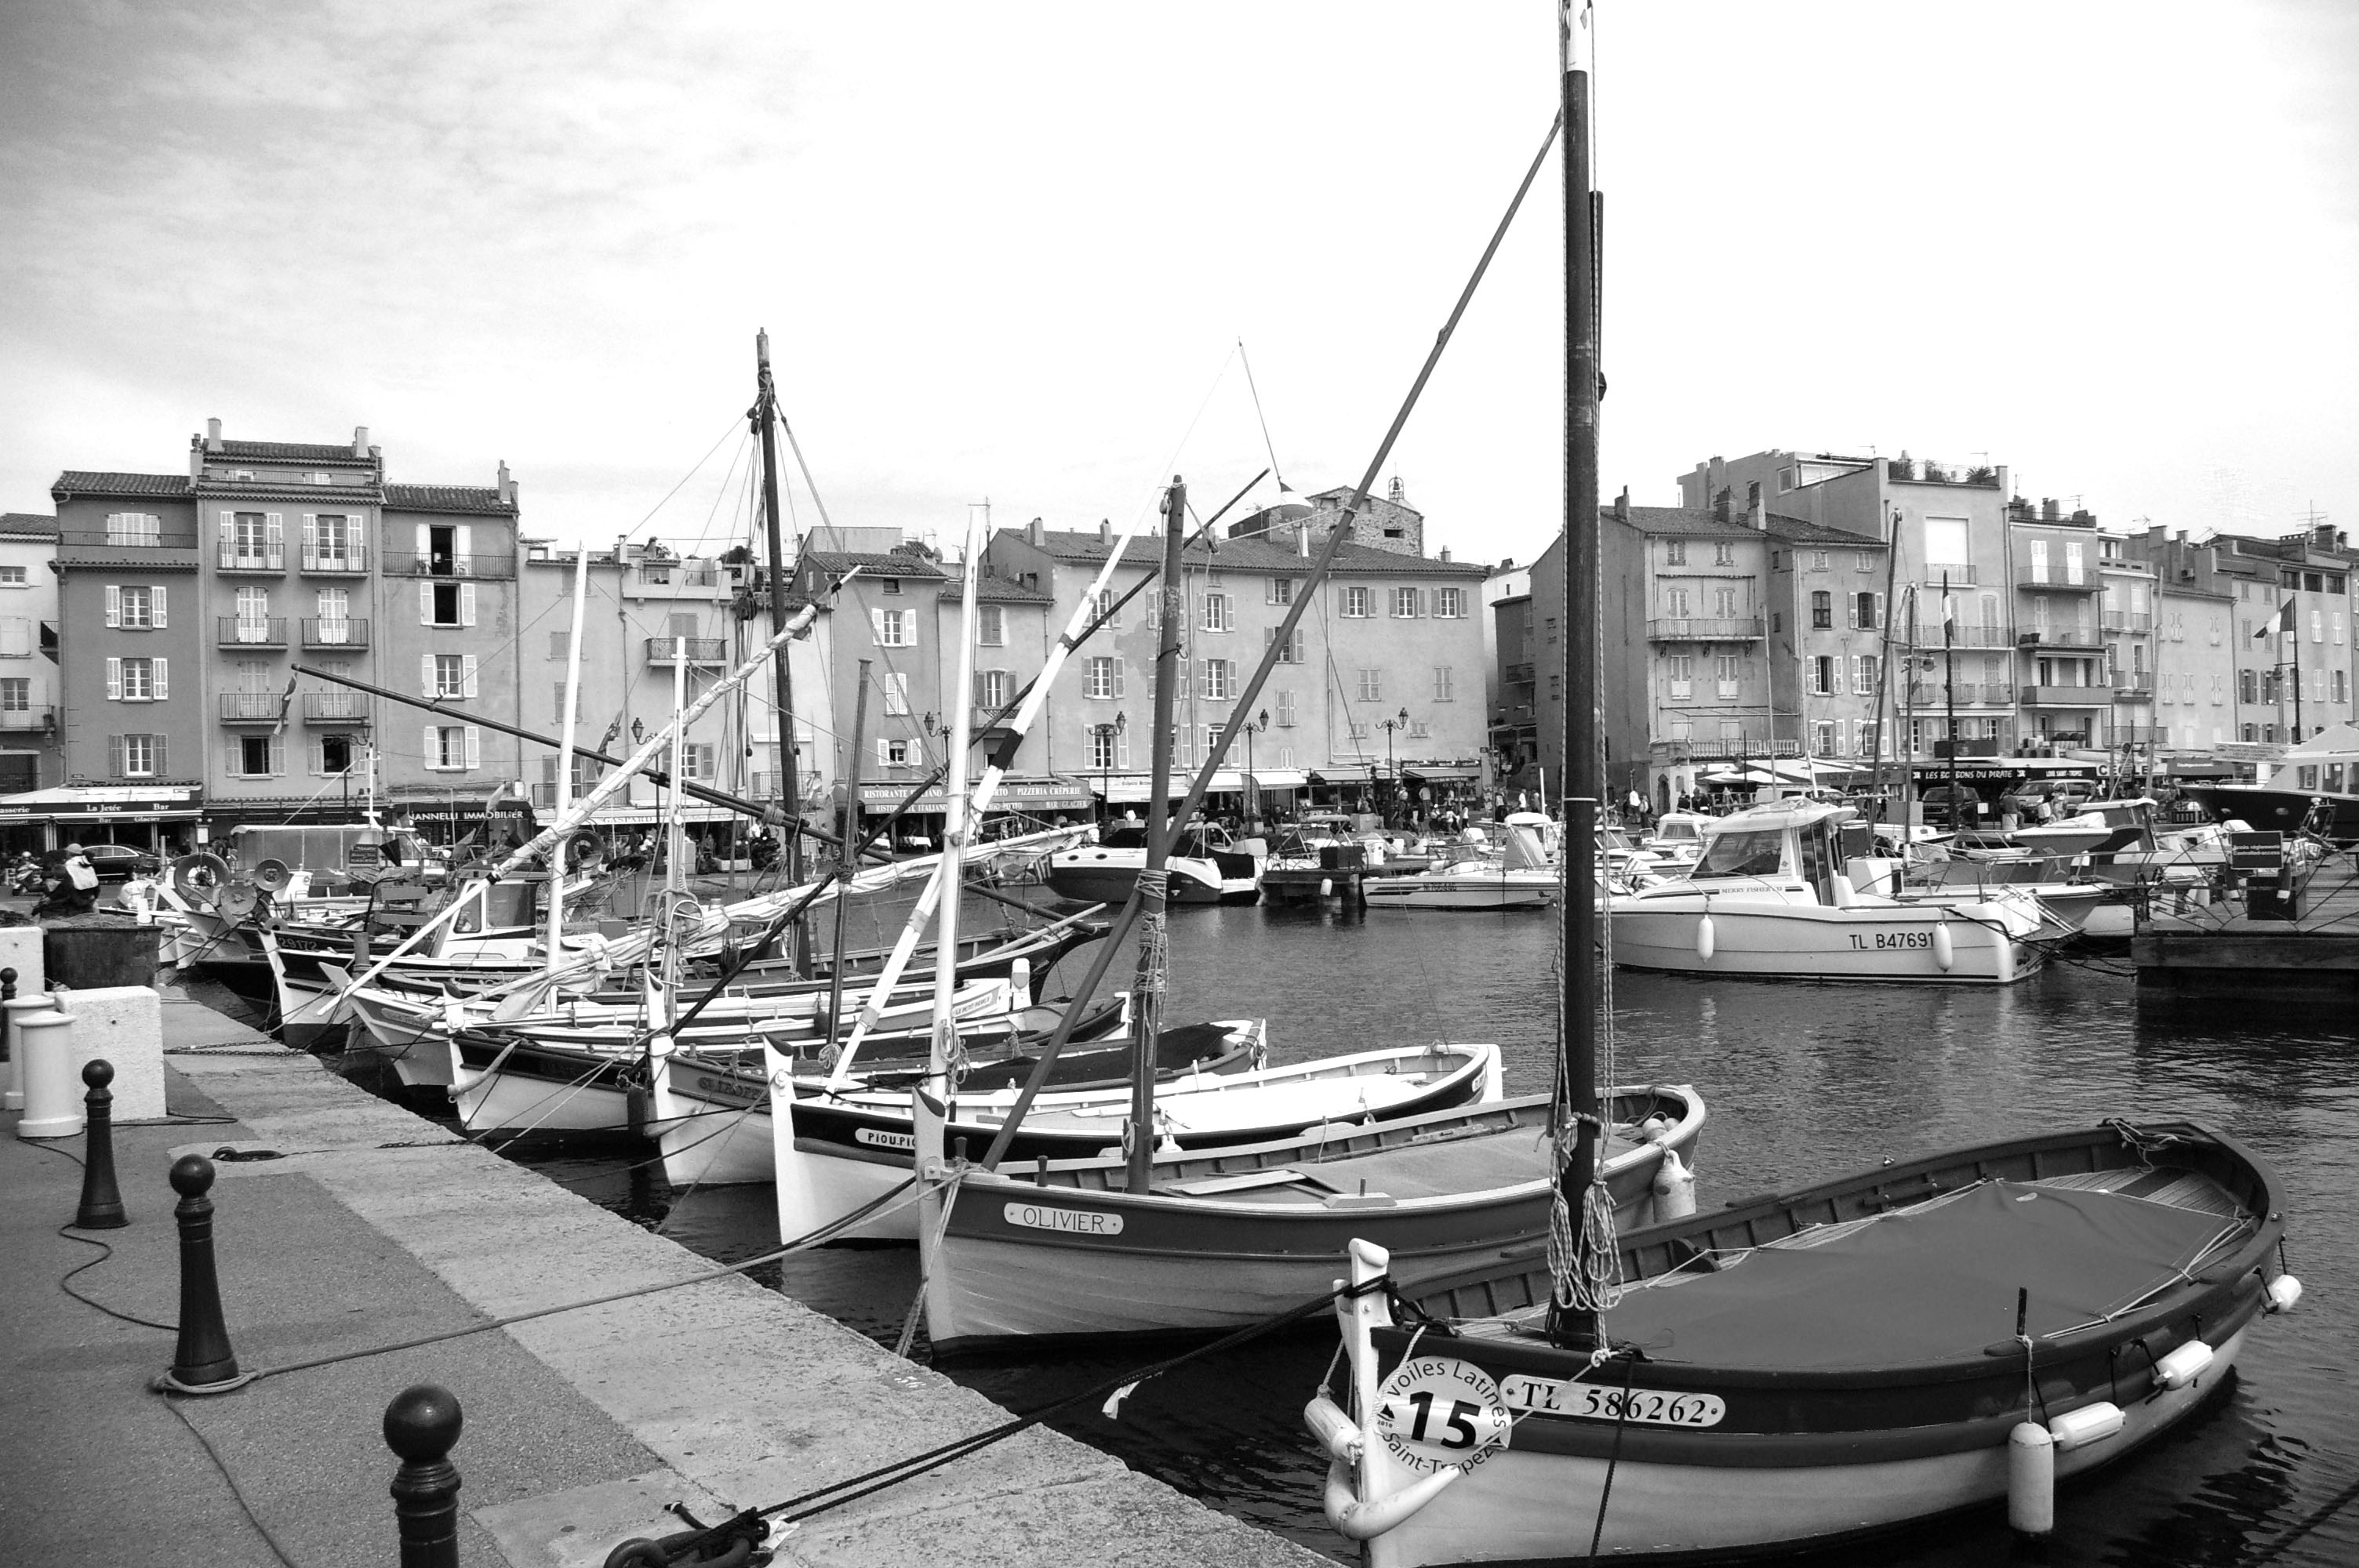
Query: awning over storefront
[1035, 795]
[1344, 773]
[650, 815]
[1133, 789]
[1281, 778]
[1442, 772]
[94, 803]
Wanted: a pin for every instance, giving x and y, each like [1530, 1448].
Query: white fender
[1019, 984]
[2184, 1364]
[1674, 1187]
[2283, 1293]
[1332, 1428]
[1365, 1520]
[2031, 1480]
[1945, 952]
[1705, 941]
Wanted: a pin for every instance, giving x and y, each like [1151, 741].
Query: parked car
[121, 862]
[2066, 797]
[1952, 806]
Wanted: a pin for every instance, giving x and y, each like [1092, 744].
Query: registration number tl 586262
[1602, 1401]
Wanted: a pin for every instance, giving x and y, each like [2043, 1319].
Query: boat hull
[1106, 876]
[1772, 941]
[1462, 890]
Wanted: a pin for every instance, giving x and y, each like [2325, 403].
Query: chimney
[1720, 504]
[1759, 520]
[1035, 533]
[1622, 503]
[360, 440]
[2325, 536]
[1105, 532]
[1445, 554]
[213, 436]
[507, 484]
[1302, 543]
[2005, 486]
[2049, 511]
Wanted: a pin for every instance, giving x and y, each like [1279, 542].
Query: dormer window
[246, 475]
[320, 478]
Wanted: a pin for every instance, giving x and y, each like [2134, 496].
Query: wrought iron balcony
[2127, 621]
[701, 650]
[1685, 629]
[2057, 637]
[2031, 582]
[322, 633]
[448, 563]
[2068, 696]
[335, 708]
[236, 558]
[39, 717]
[250, 707]
[254, 631]
[351, 561]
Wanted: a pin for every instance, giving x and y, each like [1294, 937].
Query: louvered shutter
[156, 607]
[163, 668]
[876, 623]
[426, 675]
[466, 604]
[115, 756]
[228, 536]
[114, 605]
[1117, 675]
[315, 753]
[432, 748]
[474, 747]
[426, 604]
[1879, 610]
[156, 758]
[908, 628]
[274, 532]
[425, 546]
[464, 562]
[883, 755]
[1121, 751]
[310, 541]
[467, 675]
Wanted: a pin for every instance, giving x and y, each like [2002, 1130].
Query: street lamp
[1392, 777]
[1105, 734]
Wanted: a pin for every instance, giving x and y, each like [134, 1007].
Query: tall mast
[1578, 1323]
[765, 418]
[1146, 996]
[1950, 692]
[564, 801]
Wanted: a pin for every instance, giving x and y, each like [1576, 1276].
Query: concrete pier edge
[746, 1397]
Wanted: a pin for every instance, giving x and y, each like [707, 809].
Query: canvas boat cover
[1927, 1284]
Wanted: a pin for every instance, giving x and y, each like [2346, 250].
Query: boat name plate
[1436, 1412]
[1074, 1221]
[875, 1139]
[1600, 1401]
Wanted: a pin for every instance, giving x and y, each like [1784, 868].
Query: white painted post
[52, 1108]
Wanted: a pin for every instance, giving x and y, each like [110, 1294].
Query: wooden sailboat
[1800, 1371]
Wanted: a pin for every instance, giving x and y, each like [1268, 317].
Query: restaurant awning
[1281, 778]
[1133, 789]
[1442, 772]
[116, 803]
[1041, 793]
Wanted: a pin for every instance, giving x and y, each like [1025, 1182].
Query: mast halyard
[765, 419]
[1573, 1317]
[1154, 950]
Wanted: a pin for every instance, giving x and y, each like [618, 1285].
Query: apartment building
[262, 556]
[1378, 696]
[28, 666]
[1827, 594]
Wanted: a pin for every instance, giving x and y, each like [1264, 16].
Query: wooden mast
[764, 412]
[1582, 785]
[1147, 995]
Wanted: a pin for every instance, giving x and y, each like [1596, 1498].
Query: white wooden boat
[1062, 1252]
[1206, 866]
[838, 1151]
[1772, 898]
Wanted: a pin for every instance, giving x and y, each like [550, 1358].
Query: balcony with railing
[1684, 629]
[2055, 580]
[701, 650]
[2057, 637]
[349, 560]
[132, 542]
[2068, 696]
[2127, 621]
[40, 716]
[673, 579]
[1960, 575]
[448, 563]
[1934, 693]
[1927, 636]
[321, 631]
[1519, 675]
[250, 707]
[252, 558]
[253, 631]
[2133, 686]
[1721, 748]
[335, 708]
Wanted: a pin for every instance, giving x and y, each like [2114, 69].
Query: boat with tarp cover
[1850, 1358]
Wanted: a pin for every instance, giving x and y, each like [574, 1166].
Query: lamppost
[1255, 726]
[1392, 777]
[1105, 734]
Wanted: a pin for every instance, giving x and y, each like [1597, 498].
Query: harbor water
[1803, 1081]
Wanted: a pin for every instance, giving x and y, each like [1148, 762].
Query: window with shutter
[466, 604]
[467, 675]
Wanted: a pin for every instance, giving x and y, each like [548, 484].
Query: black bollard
[101, 1203]
[204, 1362]
[7, 994]
[422, 1426]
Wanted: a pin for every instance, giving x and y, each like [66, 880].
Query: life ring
[584, 847]
[272, 876]
[199, 878]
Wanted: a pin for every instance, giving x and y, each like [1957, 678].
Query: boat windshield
[1753, 854]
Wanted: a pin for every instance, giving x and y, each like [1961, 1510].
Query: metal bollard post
[44, 1036]
[203, 1363]
[12, 1087]
[101, 1201]
[422, 1426]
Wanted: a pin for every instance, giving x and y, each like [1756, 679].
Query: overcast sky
[1005, 251]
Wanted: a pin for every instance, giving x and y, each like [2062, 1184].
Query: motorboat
[1773, 897]
[1518, 877]
[1206, 866]
[2314, 788]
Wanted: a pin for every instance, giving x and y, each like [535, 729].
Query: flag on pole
[285, 701]
[2282, 622]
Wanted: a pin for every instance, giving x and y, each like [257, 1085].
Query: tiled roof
[79, 481]
[1250, 555]
[289, 452]
[993, 588]
[889, 563]
[477, 499]
[29, 525]
[1802, 531]
[1682, 521]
